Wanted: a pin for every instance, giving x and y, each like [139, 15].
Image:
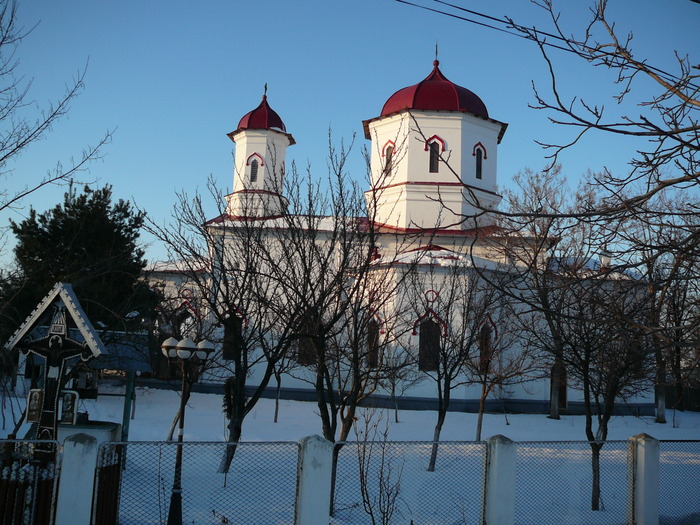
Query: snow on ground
[451, 494]
[204, 421]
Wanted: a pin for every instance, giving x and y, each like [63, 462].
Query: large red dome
[436, 93]
[262, 117]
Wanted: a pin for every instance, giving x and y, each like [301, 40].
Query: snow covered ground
[155, 410]
[553, 479]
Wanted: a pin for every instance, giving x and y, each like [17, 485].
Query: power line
[526, 33]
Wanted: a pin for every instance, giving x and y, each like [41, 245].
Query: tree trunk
[660, 390]
[678, 380]
[277, 396]
[235, 428]
[235, 403]
[680, 394]
[436, 439]
[595, 466]
[480, 418]
[396, 403]
[554, 390]
[334, 472]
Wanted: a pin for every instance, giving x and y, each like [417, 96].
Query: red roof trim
[258, 192]
[389, 143]
[480, 146]
[227, 217]
[430, 312]
[368, 136]
[429, 247]
[472, 232]
[432, 183]
[262, 162]
[435, 138]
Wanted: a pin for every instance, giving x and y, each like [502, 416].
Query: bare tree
[451, 310]
[20, 130]
[608, 361]
[399, 374]
[537, 219]
[222, 262]
[380, 476]
[285, 366]
[651, 245]
[25, 122]
[501, 360]
[589, 317]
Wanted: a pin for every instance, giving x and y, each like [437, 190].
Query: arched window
[434, 148]
[233, 337]
[479, 161]
[429, 345]
[485, 349]
[306, 343]
[373, 343]
[388, 157]
[253, 170]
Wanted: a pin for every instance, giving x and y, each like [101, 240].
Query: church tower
[433, 157]
[261, 144]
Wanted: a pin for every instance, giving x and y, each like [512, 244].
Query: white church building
[434, 157]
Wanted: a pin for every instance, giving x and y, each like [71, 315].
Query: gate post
[499, 488]
[314, 471]
[643, 480]
[75, 487]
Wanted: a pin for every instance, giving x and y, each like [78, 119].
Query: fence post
[74, 503]
[643, 481]
[314, 470]
[499, 487]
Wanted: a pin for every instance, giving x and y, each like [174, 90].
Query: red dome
[262, 117]
[437, 93]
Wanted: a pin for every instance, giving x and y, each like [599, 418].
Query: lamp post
[187, 354]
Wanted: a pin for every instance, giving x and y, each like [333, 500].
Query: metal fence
[391, 481]
[375, 482]
[259, 487]
[679, 479]
[28, 481]
[554, 480]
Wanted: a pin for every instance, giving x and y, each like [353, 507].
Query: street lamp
[188, 355]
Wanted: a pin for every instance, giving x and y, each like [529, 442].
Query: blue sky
[171, 78]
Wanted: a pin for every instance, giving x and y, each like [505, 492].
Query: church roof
[435, 92]
[262, 117]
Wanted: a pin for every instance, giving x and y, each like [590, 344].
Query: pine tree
[90, 242]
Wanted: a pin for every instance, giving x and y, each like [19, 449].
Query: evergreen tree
[90, 242]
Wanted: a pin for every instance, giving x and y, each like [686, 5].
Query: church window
[373, 343]
[253, 170]
[479, 162]
[429, 346]
[434, 148]
[306, 342]
[485, 349]
[388, 157]
[233, 337]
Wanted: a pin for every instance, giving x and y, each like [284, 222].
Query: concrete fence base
[643, 480]
[314, 473]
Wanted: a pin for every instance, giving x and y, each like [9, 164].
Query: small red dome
[262, 117]
[437, 93]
